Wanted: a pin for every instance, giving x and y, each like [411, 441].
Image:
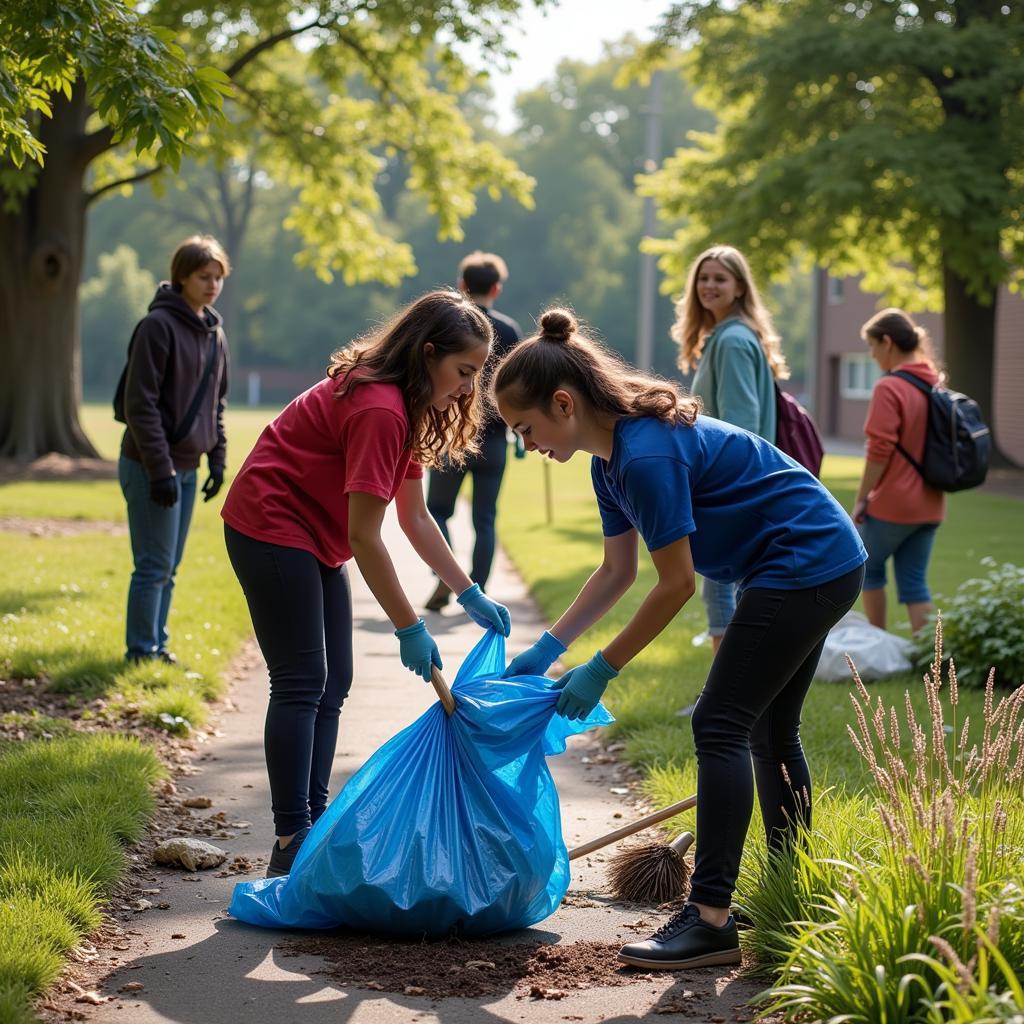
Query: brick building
[841, 374]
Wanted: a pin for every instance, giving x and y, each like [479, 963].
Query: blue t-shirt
[753, 515]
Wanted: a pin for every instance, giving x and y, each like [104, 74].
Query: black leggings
[302, 613]
[750, 706]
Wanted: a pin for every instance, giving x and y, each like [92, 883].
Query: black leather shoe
[685, 940]
[281, 860]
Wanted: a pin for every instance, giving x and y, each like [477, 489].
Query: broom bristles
[649, 873]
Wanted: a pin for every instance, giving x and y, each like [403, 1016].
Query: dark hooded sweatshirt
[165, 368]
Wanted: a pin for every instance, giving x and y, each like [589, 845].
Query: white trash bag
[876, 652]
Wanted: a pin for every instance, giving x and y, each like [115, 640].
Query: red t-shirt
[293, 488]
[899, 413]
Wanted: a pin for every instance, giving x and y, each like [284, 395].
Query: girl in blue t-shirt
[705, 497]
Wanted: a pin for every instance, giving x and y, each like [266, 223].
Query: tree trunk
[40, 268]
[970, 349]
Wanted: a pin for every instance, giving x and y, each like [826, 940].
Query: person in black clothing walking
[174, 388]
[481, 277]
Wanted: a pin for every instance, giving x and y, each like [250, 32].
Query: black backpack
[957, 442]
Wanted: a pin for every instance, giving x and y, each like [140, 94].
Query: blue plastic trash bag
[452, 826]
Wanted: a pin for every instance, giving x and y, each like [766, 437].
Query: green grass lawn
[557, 558]
[67, 806]
[69, 802]
[62, 599]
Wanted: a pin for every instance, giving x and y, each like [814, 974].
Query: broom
[650, 872]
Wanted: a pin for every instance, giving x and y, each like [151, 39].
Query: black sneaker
[167, 657]
[439, 598]
[281, 860]
[685, 940]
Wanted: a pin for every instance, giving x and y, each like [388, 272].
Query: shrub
[984, 623]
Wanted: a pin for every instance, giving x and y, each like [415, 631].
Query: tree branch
[141, 176]
[271, 41]
[96, 144]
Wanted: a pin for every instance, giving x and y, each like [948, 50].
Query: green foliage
[580, 137]
[986, 994]
[139, 80]
[875, 135]
[898, 931]
[983, 622]
[111, 303]
[321, 102]
[66, 808]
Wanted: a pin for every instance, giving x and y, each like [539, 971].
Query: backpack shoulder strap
[912, 378]
[197, 399]
[925, 388]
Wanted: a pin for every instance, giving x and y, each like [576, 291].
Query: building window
[857, 376]
[835, 291]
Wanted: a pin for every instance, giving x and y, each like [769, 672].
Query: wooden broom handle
[442, 688]
[633, 827]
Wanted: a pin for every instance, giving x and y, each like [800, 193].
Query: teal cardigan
[734, 380]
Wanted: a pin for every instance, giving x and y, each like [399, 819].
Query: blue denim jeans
[158, 541]
[909, 545]
[720, 601]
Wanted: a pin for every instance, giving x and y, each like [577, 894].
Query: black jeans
[487, 470]
[301, 611]
[750, 706]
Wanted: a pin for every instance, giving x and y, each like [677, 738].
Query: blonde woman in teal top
[725, 335]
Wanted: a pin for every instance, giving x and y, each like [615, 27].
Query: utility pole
[648, 277]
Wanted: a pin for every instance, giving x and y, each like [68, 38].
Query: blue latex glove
[536, 660]
[583, 686]
[485, 612]
[417, 649]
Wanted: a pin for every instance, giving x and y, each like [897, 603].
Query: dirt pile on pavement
[454, 968]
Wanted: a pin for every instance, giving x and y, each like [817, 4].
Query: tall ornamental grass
[917, 914]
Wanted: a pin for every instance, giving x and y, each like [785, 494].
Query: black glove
[214, 482]
[164, 491]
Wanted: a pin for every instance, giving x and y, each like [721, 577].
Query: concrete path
[195, 965]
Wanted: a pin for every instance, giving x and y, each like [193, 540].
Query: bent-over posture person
[707, 497]
[312, 495]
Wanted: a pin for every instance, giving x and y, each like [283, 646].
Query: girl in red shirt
[312, 494]
[896, 512]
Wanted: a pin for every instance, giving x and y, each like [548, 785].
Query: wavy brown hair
[694, 323]
[560, 356]
[394, 353]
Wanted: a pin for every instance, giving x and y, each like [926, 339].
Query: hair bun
[558, 324]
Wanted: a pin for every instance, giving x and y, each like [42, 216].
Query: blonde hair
[394, 354]
[559, 356]
[694, 323]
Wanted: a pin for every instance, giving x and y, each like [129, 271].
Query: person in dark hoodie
[174, 388]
